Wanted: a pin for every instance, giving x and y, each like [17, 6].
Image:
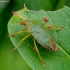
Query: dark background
[12, 60]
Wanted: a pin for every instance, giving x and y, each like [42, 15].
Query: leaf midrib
[63, 51]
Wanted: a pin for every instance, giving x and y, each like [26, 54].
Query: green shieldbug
[37, 28]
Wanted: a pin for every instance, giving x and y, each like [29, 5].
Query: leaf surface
[54, 60]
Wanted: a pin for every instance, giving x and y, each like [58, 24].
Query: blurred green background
[12, 60]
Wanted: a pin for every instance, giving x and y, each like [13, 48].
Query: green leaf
[54, 60]
[60, 4]
[36, 4]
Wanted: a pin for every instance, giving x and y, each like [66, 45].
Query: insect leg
[12, 35]
[58, 28]
[39, 54]
[21, 41]
[52, 26]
